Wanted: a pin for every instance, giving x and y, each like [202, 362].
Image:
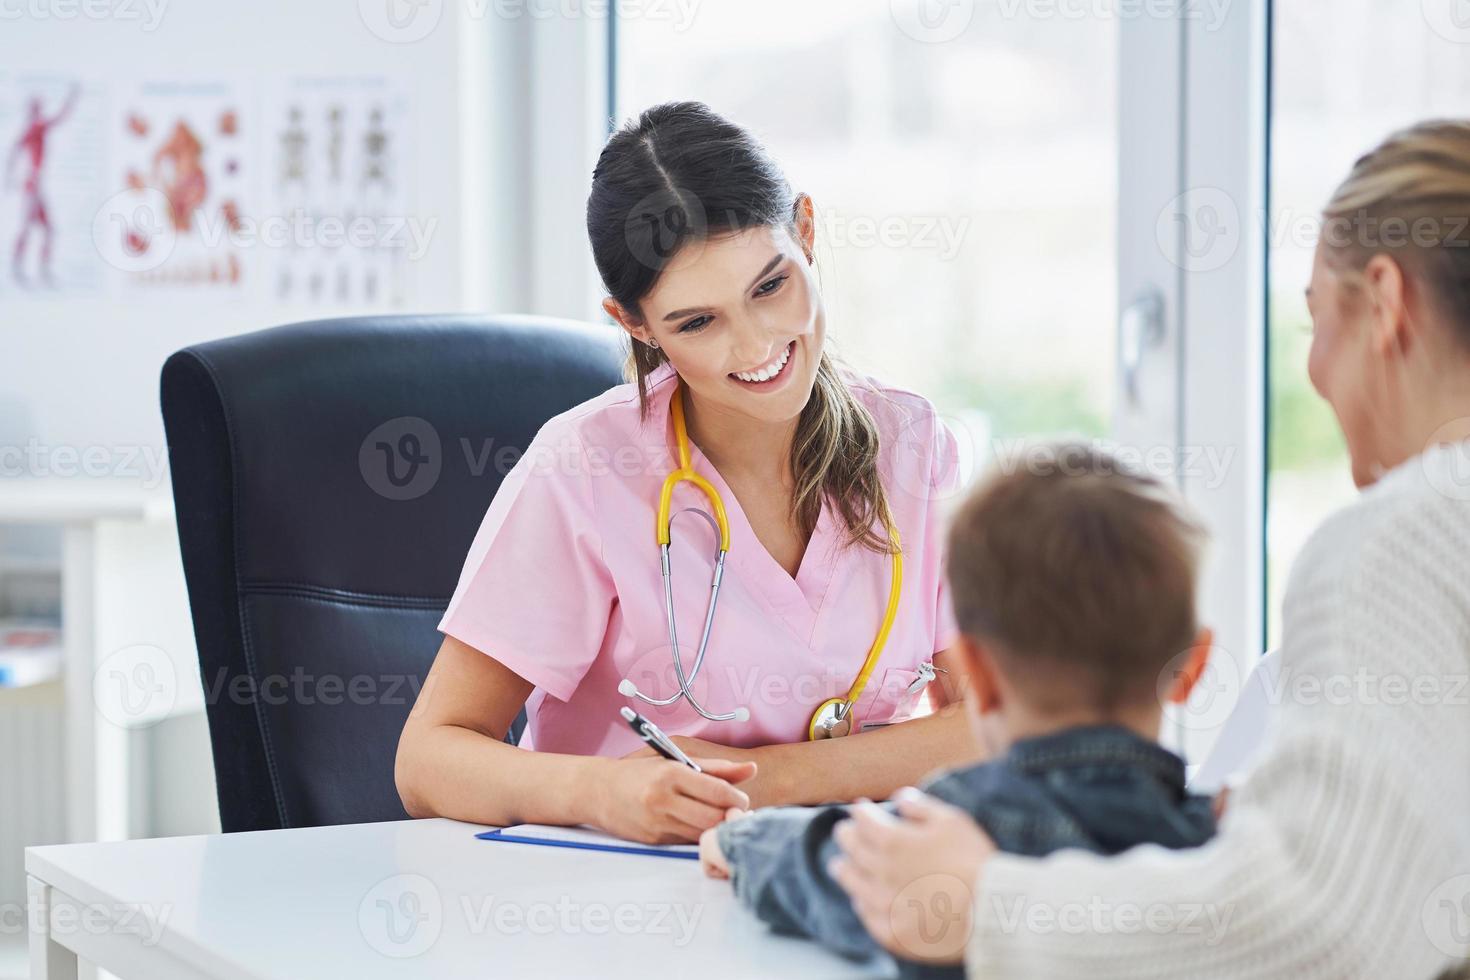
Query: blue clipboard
[586, 846]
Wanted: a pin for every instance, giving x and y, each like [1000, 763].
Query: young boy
[1073, 583]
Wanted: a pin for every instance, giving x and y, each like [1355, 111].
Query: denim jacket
[1099, 788]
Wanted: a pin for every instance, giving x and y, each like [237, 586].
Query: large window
[964, 171]
[1345, 74]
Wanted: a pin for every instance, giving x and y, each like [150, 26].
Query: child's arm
[777, 859]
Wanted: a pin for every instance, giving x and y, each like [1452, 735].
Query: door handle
[1140, 327]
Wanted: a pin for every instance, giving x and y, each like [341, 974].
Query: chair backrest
[328, 479]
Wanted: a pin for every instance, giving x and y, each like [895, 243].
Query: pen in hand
[660, 742]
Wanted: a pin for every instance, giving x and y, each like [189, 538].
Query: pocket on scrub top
[893, 702]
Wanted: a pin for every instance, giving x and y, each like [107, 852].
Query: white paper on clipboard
[1246, 733]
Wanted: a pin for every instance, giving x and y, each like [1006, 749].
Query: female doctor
[821, 500]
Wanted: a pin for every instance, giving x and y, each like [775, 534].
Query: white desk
[409, 899]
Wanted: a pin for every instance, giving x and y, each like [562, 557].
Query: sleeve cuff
[523, 665]
[998, 911]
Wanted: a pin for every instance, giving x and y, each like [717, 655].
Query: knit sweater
[1346, 852]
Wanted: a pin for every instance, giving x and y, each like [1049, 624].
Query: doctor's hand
[647, 798]
[912, 878]
[757, 788]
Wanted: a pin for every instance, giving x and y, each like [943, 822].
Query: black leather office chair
[328, 479]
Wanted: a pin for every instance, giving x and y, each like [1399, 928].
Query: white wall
[80, 371]
[83, 372]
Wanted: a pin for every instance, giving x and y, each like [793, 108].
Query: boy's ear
[1193, 667]
[980, 674]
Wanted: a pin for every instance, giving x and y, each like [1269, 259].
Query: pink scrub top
[562, 583]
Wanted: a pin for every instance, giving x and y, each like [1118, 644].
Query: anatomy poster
[335, 152]
[52, 162]
[179, 166]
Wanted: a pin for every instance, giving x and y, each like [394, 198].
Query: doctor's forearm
[874, 763]
[448, 771]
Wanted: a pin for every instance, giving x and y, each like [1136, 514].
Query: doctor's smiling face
[739, 316]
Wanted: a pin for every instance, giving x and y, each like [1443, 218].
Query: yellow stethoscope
[833, 717]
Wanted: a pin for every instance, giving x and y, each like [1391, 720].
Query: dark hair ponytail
[668, 181]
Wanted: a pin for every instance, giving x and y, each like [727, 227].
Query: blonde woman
[1347, 852]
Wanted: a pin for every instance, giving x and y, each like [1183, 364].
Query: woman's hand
[912, 879]
[647, 798]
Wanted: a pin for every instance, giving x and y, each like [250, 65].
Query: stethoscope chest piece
[832, 719]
